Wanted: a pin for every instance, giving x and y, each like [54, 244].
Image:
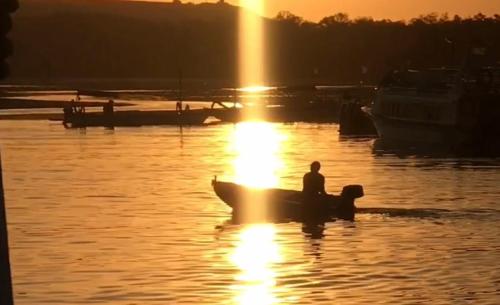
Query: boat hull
[445, 109]
[309, 113]
[401, 131]
[434, 137]
[137, 118]
[278, 204]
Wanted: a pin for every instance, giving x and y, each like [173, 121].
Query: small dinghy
[281, 204]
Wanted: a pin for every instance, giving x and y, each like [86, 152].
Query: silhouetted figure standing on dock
[109, 109]
[68, 109]
[314, 182]
[178, 106]
[108, 112]
[73, 106]
[68, 113]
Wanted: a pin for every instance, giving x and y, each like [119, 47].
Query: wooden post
[6, 297]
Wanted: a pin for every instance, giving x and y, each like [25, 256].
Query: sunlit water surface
[129, 217]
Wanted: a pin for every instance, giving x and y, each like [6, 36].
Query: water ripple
[129, 217]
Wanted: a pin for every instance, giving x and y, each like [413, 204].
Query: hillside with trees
[57, 39]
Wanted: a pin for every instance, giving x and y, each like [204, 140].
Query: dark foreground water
[129, 217]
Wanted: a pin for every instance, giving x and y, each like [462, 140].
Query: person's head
[315, 166]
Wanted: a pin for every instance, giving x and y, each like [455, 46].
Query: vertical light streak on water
[254, 165]
[257, 147]
[251, 52]
[254, 256]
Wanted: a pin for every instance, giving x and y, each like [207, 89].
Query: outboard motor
[347, 209]
[352, 191]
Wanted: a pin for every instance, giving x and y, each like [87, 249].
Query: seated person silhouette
[314, 195]
[314, 182]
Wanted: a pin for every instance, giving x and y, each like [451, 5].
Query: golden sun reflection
[256, 89]
[254, 256]
[257, 146]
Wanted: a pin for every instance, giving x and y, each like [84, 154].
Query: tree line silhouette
[58, 39]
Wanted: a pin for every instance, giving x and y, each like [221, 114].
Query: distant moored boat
[440, 107]
[132, 118]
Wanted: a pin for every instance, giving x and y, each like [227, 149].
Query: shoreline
[14, 103]
[32, 117]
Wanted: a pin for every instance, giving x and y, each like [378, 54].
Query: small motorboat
[250, 204]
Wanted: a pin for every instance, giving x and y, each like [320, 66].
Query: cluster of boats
[436, 107]
[315, 104]
[318, 112]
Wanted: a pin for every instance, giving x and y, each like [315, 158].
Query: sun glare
[254, 256]
[257, 147]
[256, 89]
[255, 143]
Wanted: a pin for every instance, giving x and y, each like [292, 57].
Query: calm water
[129, 217]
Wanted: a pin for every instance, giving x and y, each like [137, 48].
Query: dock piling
[6, 296]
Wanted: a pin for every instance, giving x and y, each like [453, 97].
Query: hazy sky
[393, 9]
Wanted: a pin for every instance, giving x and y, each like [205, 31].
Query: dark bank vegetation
[57, 39]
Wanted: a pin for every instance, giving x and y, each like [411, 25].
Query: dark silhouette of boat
[304, 112]
[448, 108]
[76, 116]
[281, 204]
[131, 118]
[354, 121]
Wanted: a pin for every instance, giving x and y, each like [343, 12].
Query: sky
[314, 10]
